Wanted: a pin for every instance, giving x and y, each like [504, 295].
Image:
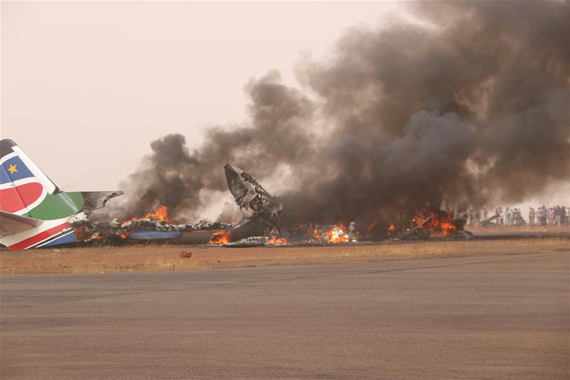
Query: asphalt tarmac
[502, 317]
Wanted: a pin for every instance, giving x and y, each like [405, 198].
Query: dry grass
[167, 258]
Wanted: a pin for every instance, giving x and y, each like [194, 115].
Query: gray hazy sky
[86, 86]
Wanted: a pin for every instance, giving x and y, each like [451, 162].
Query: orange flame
[220, 237]
[277, 241]
[79, 231]
[315, 233]
[370, 228]
[337, 234]
[442, 225]
[446, 227]
[160, 214]
[126, 234]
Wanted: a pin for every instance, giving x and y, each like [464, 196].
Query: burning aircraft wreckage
[262, 225]
[34, 213]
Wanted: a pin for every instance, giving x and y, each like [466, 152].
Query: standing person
[542, 215]
[500, 214]
[557, 216]
[509, 216]
[478, 217]
[531, 216]
[550, 216]
[519, 220]
[351, 233]
[561, 216]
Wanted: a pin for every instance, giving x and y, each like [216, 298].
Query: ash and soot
[464, 105]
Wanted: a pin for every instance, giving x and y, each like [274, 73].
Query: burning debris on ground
[221, 237]
[262, 224]
[153, 226]
[262, 213]
[436, 224]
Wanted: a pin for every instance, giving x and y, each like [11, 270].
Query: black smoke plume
[173, 176]
[467, 106]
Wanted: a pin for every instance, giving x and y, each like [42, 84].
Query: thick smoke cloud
[470, 105]
[175, 177]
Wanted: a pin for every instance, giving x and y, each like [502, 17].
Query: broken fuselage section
[262, 219]
[262, 209]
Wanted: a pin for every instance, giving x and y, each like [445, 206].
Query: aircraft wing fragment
[13, 224]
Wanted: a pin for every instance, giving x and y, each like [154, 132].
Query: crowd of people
[541, 216]
[553, 216]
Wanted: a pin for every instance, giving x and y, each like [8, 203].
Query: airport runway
[504, 317]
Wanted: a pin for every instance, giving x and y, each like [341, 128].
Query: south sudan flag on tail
[22, 185]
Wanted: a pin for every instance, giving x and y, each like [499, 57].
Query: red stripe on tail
[39, 237]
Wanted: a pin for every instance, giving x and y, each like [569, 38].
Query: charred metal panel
[98, 199]
[250, 195]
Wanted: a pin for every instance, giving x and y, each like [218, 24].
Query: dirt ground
[154, 258]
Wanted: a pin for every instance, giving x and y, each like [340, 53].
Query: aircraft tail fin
[23, 185]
